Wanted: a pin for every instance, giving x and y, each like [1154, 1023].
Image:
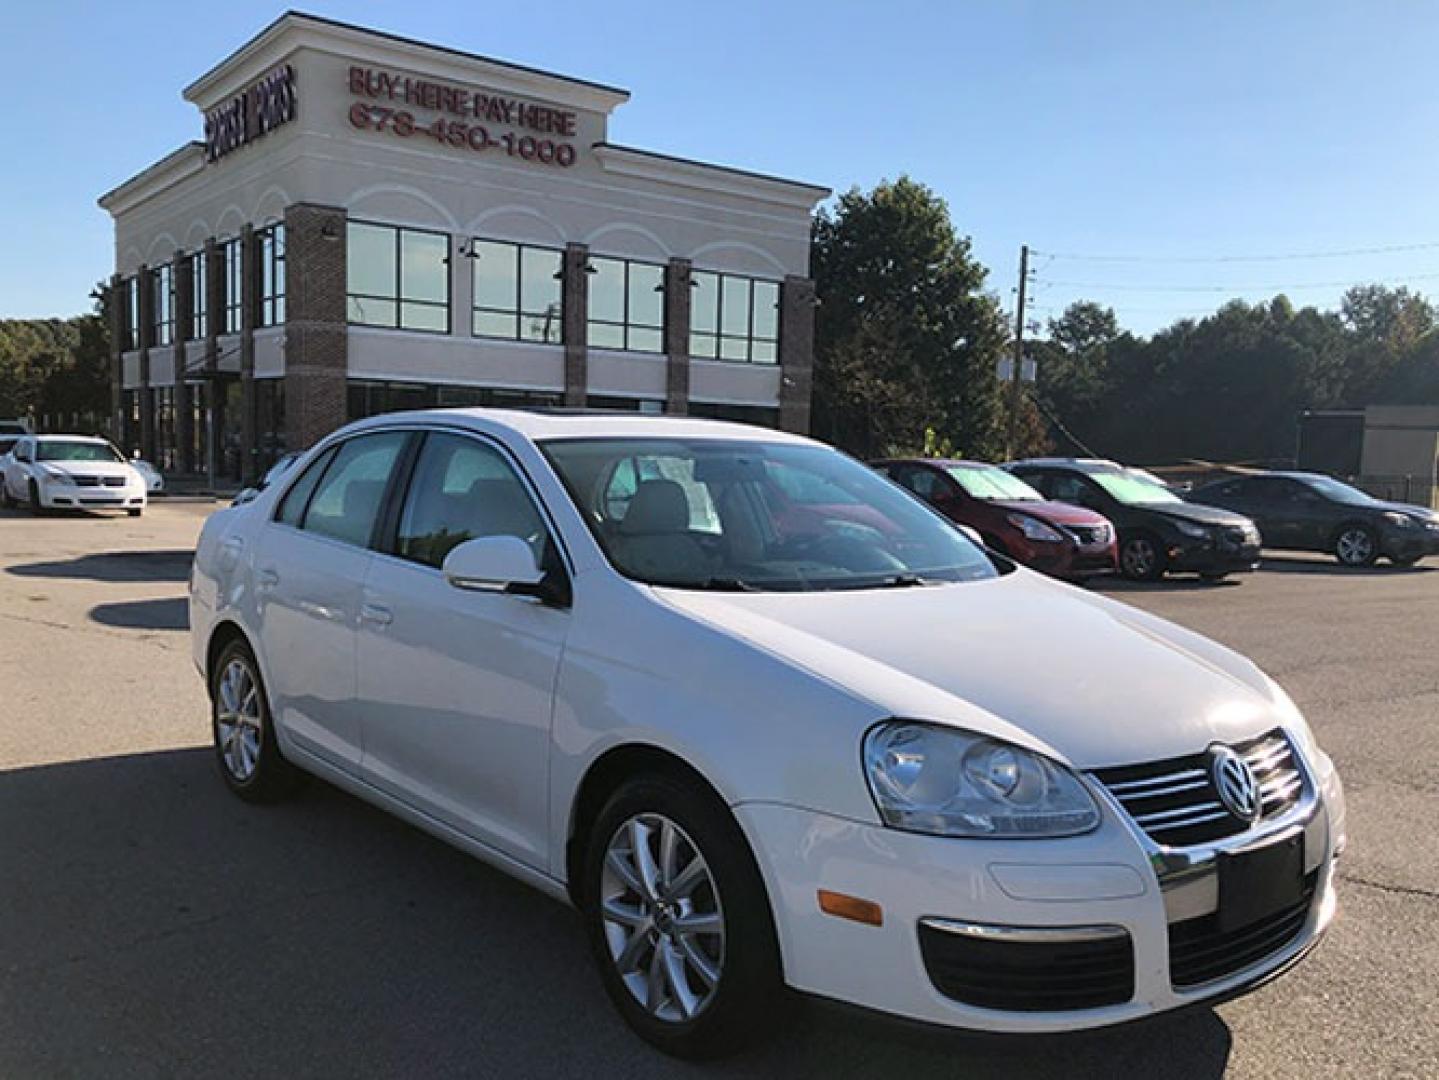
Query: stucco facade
[315, 128]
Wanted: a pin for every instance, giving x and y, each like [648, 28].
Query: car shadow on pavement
[1186, 583]
[166, 613]
[156, 925]
[1280, 564]
[132, 566]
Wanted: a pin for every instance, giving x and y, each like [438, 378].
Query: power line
[1270, 287]
[1286, 257]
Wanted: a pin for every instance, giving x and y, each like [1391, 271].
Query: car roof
[544, 424]
[959, 463]
[71, 438]
[1086, 465]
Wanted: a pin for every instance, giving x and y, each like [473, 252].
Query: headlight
[931, 779]
[1034, 529]
[1188, 528]
[53, 476]
[1402, 521]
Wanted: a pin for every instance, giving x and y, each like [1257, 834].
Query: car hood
[1202, 513]
[1083, 678]
[1064, 513]
[1423, 513]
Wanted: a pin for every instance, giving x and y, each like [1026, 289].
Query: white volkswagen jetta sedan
[765, 719]
[70, 472]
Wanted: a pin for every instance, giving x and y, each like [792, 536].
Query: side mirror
[501, 564]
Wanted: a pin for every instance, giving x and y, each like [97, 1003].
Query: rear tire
[1356, 546]
[679, 921]
[1141, 558]
[1214, 576]
[245, 746]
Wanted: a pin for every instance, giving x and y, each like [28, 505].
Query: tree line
[908, 337]
[57, 368]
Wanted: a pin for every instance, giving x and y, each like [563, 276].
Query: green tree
[905, 336]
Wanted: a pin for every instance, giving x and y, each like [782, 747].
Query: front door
[457, 686]
[310, 563]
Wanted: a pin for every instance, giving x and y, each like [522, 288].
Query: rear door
[457, 685]
[309, 567]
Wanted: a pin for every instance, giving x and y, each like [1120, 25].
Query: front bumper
[56, 495]
[1213, 557]
[1413, 543]
[1072, 560]
[1058, 890]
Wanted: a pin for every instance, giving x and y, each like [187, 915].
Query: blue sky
[1159, 130]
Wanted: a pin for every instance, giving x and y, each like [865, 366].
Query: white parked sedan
[765, 720]
[70, 472]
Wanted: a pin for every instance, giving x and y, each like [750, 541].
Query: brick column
[316, 332]
[115, 315]
[576, 323]
[249, 316]
[214, 315]
[678, 302]
[184, 312]
[147, 339]
[796, 353]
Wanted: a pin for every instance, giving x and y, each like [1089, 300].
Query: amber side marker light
[851, 907]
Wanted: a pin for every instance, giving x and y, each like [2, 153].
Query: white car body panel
[72, 485]
[477, 717]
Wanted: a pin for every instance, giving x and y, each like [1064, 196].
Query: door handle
[376, 614]
[266, 579]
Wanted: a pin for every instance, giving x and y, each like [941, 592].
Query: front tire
[133, 511]
[35, 506]
[679, 921]
[245, 746]
[1141, 558]
[1356, 546]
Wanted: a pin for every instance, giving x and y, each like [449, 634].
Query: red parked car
[1056, 538]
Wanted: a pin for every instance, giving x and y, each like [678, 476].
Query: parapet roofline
[666, 168]
[269, 47]
[188, 158]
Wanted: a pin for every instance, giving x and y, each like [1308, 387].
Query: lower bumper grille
[1199, 952]
[1029, 976]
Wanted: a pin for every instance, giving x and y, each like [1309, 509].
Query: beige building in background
[375, 223]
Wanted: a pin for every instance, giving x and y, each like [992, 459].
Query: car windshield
[1339, 492]
[1132, 489]
[67, 450]
[736, 515]
[990, 482]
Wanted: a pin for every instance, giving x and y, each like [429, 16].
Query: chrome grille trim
[1174, 801]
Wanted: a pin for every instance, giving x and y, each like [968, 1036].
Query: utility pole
[1016, 384]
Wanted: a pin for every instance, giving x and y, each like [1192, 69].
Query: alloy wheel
[237, 720]
[662, 918]
[1139, 557]
[1355, 547]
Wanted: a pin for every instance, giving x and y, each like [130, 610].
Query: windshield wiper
[722, 584]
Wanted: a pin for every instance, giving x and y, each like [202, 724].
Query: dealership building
[373, 223]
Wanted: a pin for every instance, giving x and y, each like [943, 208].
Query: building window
[627, 305]
[398, 277]
[270, 247]
[165, 427]
[231, 255]
[162, 300]
[269, 422]
[734, 318]
[199, 296]
[518, 292]
[130, 290]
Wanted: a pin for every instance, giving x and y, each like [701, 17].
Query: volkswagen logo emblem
[1234, 781]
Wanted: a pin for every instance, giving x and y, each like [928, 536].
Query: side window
[347, 500]
[1042, 482]
[463, 489]
[292, 506]
[1066, 488]
[927, 484]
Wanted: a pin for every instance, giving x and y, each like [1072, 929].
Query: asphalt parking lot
[152, 925]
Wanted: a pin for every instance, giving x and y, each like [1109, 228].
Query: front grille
[1029, 976]
[1175, 801]
[85, 481]
[1090, 534]
[1199, 952]
[114, 481]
